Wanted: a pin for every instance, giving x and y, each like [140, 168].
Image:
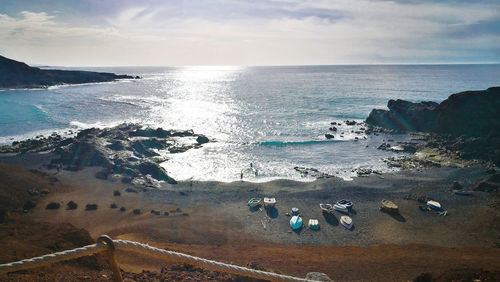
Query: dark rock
[113, 206]
[29, 205]
[333, 128]
[103, 174]
[490, 184]
[456, 186]
[126, 179]
[317, 276]
[350, 122]
[117, 146]
[122, 209]
[53, 206]
[72, 205]
[137, 211]
[149, 132]
[131, 190]
[312, 172]
[117, 193]
[155, 212]
[156, 171]
[329, 136]
[165, 213]
[365, 171]
[3, 215]
[202, 139]
[91, 207]
[81, 154]
[142, 148]
[33, 192]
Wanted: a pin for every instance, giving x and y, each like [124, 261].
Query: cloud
[253, 32]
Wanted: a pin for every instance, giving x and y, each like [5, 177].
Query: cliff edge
[14, 74]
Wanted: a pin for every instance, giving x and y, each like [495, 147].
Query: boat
[346, 221]
[326, 208]
[346, 203]
[254, 202]
[463, 192]
[340, 208]
[313, 224]
[269, 202]
[434, 205]
[296, 222]
[389, 207]
[295, 211]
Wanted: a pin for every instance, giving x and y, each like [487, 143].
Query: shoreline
[214, 222]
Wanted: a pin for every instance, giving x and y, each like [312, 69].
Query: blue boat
[296, 222]
[463, 193]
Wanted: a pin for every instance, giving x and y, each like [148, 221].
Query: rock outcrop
[490, 184]
[466, 122]
[14, 74]
[127, 150]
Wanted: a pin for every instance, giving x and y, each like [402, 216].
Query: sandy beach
[212, 220]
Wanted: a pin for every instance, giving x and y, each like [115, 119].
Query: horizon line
[290, 65]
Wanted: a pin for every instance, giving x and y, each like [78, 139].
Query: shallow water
[272, 117]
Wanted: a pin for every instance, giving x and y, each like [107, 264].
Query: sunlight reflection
[199, 98]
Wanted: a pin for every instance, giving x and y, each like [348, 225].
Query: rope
[52, 258]
[188, 259]
[104, 243]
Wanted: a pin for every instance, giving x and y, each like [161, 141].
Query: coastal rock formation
[469, 113]
[490, 184]
[467, 123]
[14, 74]
[126, 150]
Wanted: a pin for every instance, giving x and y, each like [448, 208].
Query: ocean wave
[296, 143]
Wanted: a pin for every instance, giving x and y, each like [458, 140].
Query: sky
[249, 32]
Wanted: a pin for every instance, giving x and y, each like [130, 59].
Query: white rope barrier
[105, 244]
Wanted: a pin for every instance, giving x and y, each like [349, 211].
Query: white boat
[313, 224]
[326, 208]
[434, 205]
[296, 222]
[269, 202]
[346, 221]
[346, 203]
[340, 208]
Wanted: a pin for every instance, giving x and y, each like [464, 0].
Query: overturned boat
[463, 192]
[340, 208]
[346, 203]
[269, 202]
[296, 222]
[389, 207]
[254, 202]
[326, 208]
[434, 205]
[346, 221]
[313, 224]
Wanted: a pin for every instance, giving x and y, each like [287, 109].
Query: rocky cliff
[466, 122]
[14, 74]
[469, 113]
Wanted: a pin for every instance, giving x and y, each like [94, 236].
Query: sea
[273, 118]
